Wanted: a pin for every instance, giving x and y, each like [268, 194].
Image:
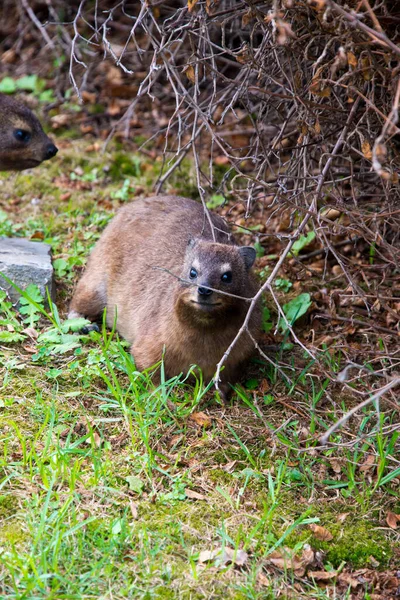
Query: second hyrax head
[23, 143]
[209, 269]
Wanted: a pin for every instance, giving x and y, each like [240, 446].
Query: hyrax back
[23, 143]
[153, 268]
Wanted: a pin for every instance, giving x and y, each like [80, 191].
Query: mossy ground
[97, 467]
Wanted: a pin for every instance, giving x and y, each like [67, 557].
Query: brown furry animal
[153, 268]
[23, 143]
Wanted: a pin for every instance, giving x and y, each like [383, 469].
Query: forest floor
[112, 488]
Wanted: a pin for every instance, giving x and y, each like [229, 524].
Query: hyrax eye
[193, 273]
[227, 277]
[22, 136]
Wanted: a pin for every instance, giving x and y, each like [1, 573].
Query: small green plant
[92, 176]
[283, 284]
[215, 201]
[302, 242]
[267, 324]
[294, 309]
[125, 192]
[31, 305]
[260, 250]
[10, 331]
[28, 83]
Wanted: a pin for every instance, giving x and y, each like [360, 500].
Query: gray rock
[26, 262]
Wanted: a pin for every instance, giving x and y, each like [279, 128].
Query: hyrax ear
[191, 242]
[249, 255]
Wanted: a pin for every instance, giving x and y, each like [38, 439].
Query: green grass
[98, 467]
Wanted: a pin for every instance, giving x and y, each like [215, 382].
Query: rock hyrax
[158, 271]
[23, 143]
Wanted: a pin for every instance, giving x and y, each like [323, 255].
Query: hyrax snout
[23, 143]
[168, 284]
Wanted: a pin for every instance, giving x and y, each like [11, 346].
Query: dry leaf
[37, 235]
[374, 563]
[335, 464]
[114, 108]
[244, 56]
[321, 533]
[366, 149]
[191, 4]
[221, 160]
[366, 68]
[134, 510]
[391, 519]
[317, 89]
[210, 4]
[113, 74]
[97, 439]
[89, 97]
[286, 559]
[248, 15]
[347, 579]
[31, 332]
[66, 196]
[86, 128]
[194, 495]
[201, 419]
[284, 32]
[224, 556]
[332, 214]
[9, 56]
[190, 74]
[317, 4]
[322, 575]
[207, 555]
[229, 466]
[30, 349]
[352, 59]
[263, 580]
[60, 120]
[239, 557]
[368, 463]
[342, 517]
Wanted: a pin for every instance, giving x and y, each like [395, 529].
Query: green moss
[124, 165]
[12, 533]
[183, 180]
[220, 477]
[198, 516]
[161, 592]
[220, 171]
[8, 505]
[355, 543]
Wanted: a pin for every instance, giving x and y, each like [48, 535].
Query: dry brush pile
[297, 103]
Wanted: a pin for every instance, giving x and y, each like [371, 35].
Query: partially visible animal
[23, 143]
[168, 284]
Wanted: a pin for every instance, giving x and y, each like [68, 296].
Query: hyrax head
[23, 143]
[211, 271]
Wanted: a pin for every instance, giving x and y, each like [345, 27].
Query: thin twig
[378, 394]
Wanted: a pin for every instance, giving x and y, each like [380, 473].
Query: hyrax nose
[51, 151]
[203, 291]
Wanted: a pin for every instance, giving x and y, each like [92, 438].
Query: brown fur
[17, 154]
[127, 274]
